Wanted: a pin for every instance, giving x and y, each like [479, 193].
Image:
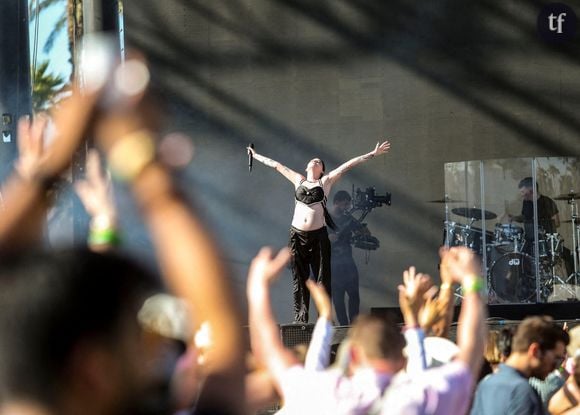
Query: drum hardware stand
[553, 261]
[517, 248]
[575, 240]
[447, 242]
[457, 292]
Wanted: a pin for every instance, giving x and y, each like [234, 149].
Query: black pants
[310, 252]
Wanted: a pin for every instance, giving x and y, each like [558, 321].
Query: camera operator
[343, 267]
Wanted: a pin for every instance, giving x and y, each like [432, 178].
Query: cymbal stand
[447, 242]
[577, 253]
[553, 261]
[457, 293]
[575, 240]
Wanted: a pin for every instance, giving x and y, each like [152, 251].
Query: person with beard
[538, 347]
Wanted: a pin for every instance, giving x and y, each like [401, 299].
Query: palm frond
[60, 24]
[34, 10]
[46, 88]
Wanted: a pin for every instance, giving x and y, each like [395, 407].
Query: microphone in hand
[250, 157]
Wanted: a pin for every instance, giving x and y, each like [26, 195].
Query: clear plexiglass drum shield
[515, 215]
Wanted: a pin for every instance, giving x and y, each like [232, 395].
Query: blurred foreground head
[375, 339]
[71, 341]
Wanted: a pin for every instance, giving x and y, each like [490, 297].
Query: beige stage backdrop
[444, 81]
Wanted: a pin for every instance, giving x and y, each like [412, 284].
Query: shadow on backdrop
[443, 80]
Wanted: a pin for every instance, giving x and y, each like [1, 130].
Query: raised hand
[321, 299]
[24, 194]
[432, 311]
[265, 267]
[72, 120]
[95, 191]
[415, 285]
[412, 294]
[30, 146]
[381, 148]
[458, 263]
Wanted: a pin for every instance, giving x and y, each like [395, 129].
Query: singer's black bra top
[309, 196]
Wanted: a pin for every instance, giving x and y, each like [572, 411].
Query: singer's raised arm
[279, 167]
[380, 148]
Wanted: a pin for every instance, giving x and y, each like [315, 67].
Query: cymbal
[474, 213]
[446, 200]
[519, 218]
[568, 196]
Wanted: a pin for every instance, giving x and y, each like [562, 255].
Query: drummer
[548, 215]
[548, 218]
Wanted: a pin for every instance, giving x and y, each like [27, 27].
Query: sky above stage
[59, 55]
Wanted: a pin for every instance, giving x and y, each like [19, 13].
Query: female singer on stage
[308, 236]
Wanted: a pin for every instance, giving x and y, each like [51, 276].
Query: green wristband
[472, 284]
[104, 237]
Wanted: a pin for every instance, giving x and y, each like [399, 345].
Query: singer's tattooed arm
[280, 168]
[380, 148]
[265, 160]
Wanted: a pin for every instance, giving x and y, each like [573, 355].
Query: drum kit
[510, 255]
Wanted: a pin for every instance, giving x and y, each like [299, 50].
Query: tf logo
[557, 23]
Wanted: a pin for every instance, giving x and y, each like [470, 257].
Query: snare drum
[472, 238]
[456, 234]
[508, 233]
[476, 239]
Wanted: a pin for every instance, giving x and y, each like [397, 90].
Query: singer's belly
[308, 218]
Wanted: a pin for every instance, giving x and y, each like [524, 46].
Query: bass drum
[512, 278]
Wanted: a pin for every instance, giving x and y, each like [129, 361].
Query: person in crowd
[436, 314]
[375, 351]
[567, 399]
[75, 344]
[538, 347]
[77, 347]
[309, 241]
[448, 388]
[547, 387]
[498, 347]
[260, 387]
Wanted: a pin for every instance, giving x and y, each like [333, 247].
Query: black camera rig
[367, 200]
[364, 202]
